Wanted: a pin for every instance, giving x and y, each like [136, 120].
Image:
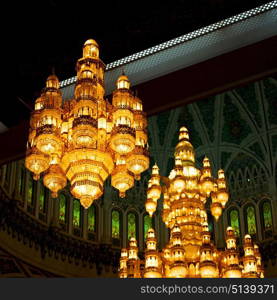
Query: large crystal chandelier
[190, 251]
[87, 139]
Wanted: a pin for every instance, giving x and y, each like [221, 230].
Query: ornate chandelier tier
[87, 139]
[190, 251]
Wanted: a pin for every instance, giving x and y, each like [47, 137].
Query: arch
[240, 181]
[263, 175]
[248, 177]
[132, 225]
[255, 174]
[238, 149]
[234, 220]
[232, 182]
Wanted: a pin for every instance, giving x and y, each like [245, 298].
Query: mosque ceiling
[236, 129]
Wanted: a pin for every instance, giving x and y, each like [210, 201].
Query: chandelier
[87, 138]
[190, 251]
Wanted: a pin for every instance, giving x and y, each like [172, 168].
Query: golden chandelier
[87, 139]
[190, 251]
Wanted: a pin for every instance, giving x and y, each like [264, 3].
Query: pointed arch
[240, 181]
[232, 181]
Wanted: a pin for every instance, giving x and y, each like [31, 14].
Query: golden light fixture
[87, 138]
[190, 251]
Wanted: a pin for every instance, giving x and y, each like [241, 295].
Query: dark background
[46, 34]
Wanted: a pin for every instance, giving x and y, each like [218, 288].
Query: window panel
[234, 221]
[42, 197]
[267, 216]
[31, 190]
[251, 220]
[62, 208]
[91, 218]
[115, 224]
[132, 230]
[147, 224]
[76, 213]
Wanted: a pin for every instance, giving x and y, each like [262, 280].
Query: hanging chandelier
[190, 251]
[87, 138]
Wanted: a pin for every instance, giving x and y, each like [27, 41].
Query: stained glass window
[30, 190]
[42, 194]
[147, 224]
[76, 213]
[251, 220]
[91, 218]
[267, 216]
[62, 208]
[234, 221]
[132, 230]
[115, 224]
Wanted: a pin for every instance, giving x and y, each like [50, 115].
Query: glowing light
[82, 139]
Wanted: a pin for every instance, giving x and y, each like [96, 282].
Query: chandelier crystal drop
[86, 139]
[190, 252]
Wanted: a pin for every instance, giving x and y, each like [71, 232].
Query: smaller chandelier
[190, 253]
[86, 139]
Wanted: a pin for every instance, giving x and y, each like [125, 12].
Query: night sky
[46, 34]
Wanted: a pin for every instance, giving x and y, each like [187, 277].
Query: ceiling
[49, 34]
